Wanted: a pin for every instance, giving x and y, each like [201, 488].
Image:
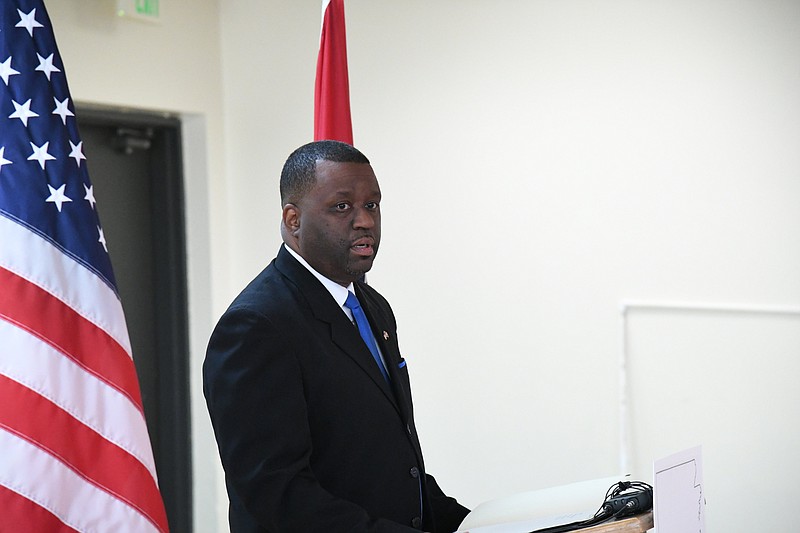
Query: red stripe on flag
[100, 462]
[332, 89]
[48, 318]
[21, 514]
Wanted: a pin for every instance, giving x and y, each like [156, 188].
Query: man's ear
[291, 218]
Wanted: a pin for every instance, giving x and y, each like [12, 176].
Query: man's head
[331, 209]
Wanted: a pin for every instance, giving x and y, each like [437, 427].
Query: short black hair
[299, 171]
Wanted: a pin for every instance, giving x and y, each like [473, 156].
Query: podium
[634, 524]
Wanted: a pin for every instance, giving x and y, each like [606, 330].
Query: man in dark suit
[315, 431]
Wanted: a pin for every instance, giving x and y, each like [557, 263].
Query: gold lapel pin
[385, 336]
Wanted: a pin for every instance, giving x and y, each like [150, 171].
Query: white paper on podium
[679, 502]
[539, 509]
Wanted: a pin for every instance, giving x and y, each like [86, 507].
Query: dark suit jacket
[311, 436]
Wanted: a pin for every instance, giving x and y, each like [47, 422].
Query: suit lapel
[346, 336]
[391, 353]
[384, 328]
[343, 332]
[383, 331]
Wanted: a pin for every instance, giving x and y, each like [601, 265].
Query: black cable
[626, 498]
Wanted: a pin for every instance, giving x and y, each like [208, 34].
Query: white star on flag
[57, 196]
[77, 152]
[23, 112]
[28, 21]
[62, 110]
[41, 155]
[46, 65]
[90, 196]
[6, 71]
[3, 160]
[102, 239]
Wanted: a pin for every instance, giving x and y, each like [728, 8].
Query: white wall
[541, 162]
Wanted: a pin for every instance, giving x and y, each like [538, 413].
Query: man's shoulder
[374, 301]
[364, 289]
[267, 289]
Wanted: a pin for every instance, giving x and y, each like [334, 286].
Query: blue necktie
[365, 331]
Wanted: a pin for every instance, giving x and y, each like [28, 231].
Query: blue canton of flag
[44, 183]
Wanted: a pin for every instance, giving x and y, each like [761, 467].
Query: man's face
[336, 226]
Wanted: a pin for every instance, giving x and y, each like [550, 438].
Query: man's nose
[364, 218]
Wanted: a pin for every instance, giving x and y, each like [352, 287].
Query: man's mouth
[363, 247]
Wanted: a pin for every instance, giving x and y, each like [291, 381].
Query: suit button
[416, 522]
[414, 472]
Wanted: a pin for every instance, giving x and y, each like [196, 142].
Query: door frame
[173, 451]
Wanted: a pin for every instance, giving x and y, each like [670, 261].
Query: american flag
[74, 449]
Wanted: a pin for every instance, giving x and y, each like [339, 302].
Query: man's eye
[372, 205]
[341, 206]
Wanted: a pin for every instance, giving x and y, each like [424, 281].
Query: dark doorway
[134, 164]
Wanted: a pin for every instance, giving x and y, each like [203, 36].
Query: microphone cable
[626, 498]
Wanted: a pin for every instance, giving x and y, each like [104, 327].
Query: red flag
[74, 449]
[332, 89]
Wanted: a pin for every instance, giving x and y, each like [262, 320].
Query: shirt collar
[338, 292]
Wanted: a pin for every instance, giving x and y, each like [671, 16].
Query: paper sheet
[539, 509]
[679, 502]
